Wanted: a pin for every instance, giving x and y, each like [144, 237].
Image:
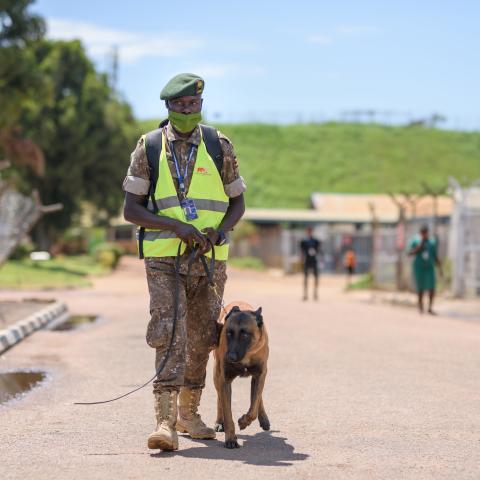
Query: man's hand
[191, 235]
[212, 234]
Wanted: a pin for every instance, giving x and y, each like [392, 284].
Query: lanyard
[181, 178]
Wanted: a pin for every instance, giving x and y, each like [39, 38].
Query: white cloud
[320, 39]
[132, 46]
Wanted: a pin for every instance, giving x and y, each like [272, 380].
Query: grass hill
[282, 165]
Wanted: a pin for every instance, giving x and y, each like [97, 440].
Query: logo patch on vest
[203, 171]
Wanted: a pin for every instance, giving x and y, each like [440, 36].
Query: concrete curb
[18, 331]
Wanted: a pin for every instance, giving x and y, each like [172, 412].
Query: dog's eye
[229, 333]
[245, 334]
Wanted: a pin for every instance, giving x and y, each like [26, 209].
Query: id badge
[189, 209]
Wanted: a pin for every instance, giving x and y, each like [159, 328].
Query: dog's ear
[234, 309]
[258, 315]
[219, 332]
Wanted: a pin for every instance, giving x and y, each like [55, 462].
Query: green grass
[283, 165]
[60, 272]
[365, 282]
[252, 263]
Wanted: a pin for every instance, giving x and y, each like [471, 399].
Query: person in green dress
[424, 250]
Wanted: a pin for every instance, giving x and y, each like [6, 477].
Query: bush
[365, 282]
[108, 254]
[96, 236]
[21, 251]
[72, 242]
[107, 258]
[252, 263]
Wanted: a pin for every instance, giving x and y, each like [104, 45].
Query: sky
[288, 61]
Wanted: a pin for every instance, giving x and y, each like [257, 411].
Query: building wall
[279, 247]
[265, 243]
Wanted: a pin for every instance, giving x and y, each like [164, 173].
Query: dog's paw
[264, 422]
[219, 427]
[244, 421]
[232, 443]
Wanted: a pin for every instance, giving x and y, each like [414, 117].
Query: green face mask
[184, 122]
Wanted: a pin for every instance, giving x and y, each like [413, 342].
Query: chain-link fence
[464, 248]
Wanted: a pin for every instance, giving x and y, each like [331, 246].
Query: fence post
[400, 242]
[373, 253]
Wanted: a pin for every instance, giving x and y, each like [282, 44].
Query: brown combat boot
[189, 421]
[165, 436]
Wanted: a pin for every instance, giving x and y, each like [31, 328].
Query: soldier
[197, 199]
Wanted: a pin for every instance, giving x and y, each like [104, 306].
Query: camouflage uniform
[199, 306]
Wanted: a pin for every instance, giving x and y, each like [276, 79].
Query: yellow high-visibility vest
[206, 190]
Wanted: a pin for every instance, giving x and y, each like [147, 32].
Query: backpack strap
[153, 149]
[213, 145]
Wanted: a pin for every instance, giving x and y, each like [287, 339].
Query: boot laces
[193, 405]
[165, 413]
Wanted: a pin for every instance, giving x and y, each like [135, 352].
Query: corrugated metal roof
[349, 208]
[271, 215]
[358, 205]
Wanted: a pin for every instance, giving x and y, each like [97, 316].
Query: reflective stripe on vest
[154, 234]
[206, 189]
[200, 203]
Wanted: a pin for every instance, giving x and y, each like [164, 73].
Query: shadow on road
[262, 448]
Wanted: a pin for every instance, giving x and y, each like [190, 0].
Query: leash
[210, 274]
[210, 271]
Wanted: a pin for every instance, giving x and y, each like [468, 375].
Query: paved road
[354, 391]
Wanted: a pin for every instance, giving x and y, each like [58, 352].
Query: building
[339, 220]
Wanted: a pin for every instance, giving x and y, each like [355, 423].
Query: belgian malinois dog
[242, 351]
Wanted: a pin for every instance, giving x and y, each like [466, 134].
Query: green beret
[184, 84]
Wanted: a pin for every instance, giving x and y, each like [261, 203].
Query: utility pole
[400, 241]
[114, 67]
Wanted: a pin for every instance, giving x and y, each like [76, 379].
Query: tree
[19, 78]
[57, 107]
[83, 130]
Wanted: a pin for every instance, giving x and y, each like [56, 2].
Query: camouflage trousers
[196, 329]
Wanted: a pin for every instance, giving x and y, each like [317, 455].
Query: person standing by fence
[350, 262]
[424, 250]
[310, 248]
